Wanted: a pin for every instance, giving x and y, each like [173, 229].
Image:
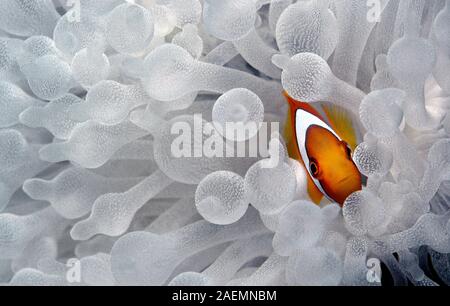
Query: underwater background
[97, 187]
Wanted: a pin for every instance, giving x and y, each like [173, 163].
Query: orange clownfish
[325, 149]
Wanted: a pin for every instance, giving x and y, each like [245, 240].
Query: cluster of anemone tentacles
[89, 93]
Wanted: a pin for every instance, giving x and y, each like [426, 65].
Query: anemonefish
[324, 147]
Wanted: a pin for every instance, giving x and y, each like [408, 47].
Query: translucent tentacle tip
[281, 61]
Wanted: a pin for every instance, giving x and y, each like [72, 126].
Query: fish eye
[314, 168]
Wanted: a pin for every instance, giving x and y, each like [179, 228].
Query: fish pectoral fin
[314, 193]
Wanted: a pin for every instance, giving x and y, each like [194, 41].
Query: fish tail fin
[289, 99]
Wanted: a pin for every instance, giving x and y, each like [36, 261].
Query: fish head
[331, 164]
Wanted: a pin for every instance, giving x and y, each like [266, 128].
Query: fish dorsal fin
[294, 105]
[341, 122]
